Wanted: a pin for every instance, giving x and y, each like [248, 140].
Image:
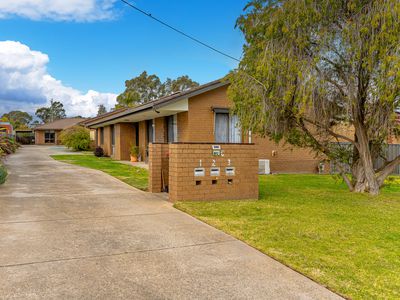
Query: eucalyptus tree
[313, 67]
[52, 113]
[145, 88]
[101, 110]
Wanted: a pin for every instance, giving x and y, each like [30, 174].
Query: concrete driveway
[70, 232]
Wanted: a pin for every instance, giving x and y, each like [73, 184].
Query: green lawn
[134, 176]
[348, 242]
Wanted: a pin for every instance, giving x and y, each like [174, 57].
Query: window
[112, 135]
[49, 137]
[150, 131]
[172, 128]
[227, 128]
[101, 135]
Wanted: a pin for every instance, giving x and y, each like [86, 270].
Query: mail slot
[199, 172]
[214, 172]
[230, 171]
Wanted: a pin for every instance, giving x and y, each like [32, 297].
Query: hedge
[3, 174]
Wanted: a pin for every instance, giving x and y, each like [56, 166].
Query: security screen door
[222, 128]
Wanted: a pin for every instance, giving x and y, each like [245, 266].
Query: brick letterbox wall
[158, 167]
[186, 157]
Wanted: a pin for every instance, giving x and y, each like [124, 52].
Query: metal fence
[392, 151]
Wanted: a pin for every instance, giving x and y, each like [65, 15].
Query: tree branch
[345, 178]
[388, 168]
[331, 132]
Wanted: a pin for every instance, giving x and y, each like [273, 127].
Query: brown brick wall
[39, 137]
[199, 127]
[283, 159]
[183, 126]
[160, 130]
[184, 158]
[158, 167]
[201, 116]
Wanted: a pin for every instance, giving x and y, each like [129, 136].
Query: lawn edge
[259, 250]
[115, 178]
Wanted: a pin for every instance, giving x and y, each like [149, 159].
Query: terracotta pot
[133, 158]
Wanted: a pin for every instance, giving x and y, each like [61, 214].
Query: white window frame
[226, 111]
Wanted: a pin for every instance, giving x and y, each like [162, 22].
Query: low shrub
[99, 152]
[76, 138]
[3, 174]
[7, 145]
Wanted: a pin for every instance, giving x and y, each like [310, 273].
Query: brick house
[6, 128]
[48, 134]
[199, 115]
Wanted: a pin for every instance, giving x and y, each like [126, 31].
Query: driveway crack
[118, 254]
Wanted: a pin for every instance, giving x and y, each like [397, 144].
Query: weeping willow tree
[312, 67]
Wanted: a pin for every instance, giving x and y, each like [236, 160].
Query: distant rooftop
[60, 124]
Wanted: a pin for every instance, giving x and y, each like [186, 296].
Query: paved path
[70, 232]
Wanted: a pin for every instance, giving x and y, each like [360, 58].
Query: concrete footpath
[69, 232]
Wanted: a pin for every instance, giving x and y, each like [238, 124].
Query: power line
[179, 31]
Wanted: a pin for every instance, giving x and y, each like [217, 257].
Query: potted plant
[134, 151]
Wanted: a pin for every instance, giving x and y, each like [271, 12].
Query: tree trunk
[366, 180]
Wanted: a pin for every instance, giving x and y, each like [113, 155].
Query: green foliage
[18, 119]
[134, 176]
[102, 110]
[134, 150]
[25, 138]
[76, 138]
[145, 88]
[7, 145]
[179, 84]
[348, 242]
[312, 67]
[3, 174]
[56, 111]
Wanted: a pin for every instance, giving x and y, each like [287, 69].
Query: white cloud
[25, 84]
[59, 10]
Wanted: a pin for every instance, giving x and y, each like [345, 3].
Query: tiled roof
[60, 124]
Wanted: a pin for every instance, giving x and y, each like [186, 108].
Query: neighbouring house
[199, 115]
[48, 134]
[6, 128]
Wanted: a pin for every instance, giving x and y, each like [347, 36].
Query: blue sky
[100, 55]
